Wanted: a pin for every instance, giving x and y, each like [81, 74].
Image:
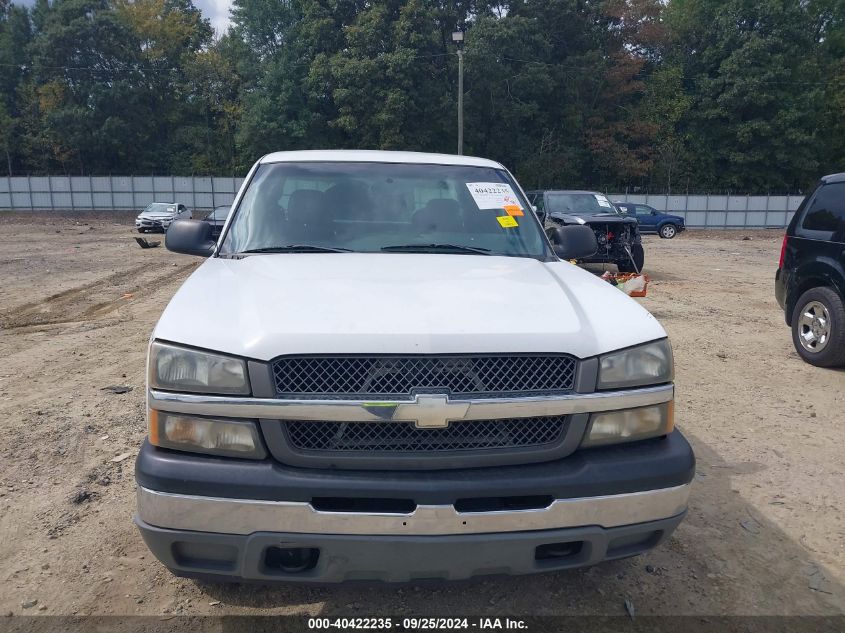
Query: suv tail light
[783, 251]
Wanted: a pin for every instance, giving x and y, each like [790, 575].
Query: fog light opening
[558, 551]
[290, 560]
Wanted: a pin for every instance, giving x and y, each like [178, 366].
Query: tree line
[684, 95]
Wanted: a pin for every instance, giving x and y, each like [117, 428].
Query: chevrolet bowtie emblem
[429, 411]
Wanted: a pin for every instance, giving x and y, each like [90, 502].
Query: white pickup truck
[384, 371]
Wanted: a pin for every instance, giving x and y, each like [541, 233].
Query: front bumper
[344, 557]
[152, 224]
[203, 515]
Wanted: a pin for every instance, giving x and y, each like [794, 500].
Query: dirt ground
[765, 532]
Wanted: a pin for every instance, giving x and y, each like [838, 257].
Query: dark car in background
[651, 220]
[217, 218]
[618, 235]
[810, 280]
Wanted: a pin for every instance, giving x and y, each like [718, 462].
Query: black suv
[810, 281]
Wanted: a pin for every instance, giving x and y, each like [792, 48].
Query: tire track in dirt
[94, 300]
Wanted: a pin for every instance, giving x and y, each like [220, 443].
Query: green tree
[86, 105]
[749, 67]
[283, 39]
[15, 34]
[556, 90]
[829, 35]
[667, 107]
[170, 47]
[389, 82]
[206, 143]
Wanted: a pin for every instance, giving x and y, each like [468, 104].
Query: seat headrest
[308, 217]
[350, 200]
[439, 214]
[305, 202]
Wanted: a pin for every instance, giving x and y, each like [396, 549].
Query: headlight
[182, 369]
[235, 438]
[629, 425]
[649, 364]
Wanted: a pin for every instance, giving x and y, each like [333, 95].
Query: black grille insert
[401, 376]
[509, 504]
[359, 504]
[399, 437]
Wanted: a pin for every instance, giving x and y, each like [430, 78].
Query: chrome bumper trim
[363, 411]
[245, 516]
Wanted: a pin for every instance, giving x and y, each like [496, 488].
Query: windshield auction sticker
[492, 195]
[603, 201]
[507, 221]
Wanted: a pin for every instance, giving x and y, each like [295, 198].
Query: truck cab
[368, 394]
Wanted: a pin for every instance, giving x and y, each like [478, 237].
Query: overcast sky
[215, 10]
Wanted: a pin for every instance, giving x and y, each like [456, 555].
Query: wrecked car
[157, 216]
[618, 235]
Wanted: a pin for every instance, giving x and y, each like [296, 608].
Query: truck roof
[840, 177]
[375, 156]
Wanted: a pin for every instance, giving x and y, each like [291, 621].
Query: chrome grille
[400, 376]
[398, 437]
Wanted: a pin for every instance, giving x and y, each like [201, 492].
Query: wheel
[142, 230]
[818, 327]
[626, 266]
[668, 231]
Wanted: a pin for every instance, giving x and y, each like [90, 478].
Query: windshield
[579, 204]
[161, 207]
[376, 207]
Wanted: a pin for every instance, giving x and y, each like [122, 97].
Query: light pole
[458, 39]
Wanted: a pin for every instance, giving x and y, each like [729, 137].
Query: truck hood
[156, 215]
[265, 306]
[601, 218]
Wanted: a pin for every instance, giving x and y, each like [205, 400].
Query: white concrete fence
[722, 211]
[119, 193]
[132, 193]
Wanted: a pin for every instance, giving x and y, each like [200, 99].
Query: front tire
[668, 231]
[818, 327]
[626, 266]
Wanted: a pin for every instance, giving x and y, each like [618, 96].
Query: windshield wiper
[296, 248]
[476, 250]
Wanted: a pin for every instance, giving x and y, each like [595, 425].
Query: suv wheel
[818, 327]
[668, 231]
[627, 266]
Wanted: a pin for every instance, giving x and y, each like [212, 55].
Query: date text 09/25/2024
[416, 624]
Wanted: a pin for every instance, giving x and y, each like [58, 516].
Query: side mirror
[190, 237]
[573, 242]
